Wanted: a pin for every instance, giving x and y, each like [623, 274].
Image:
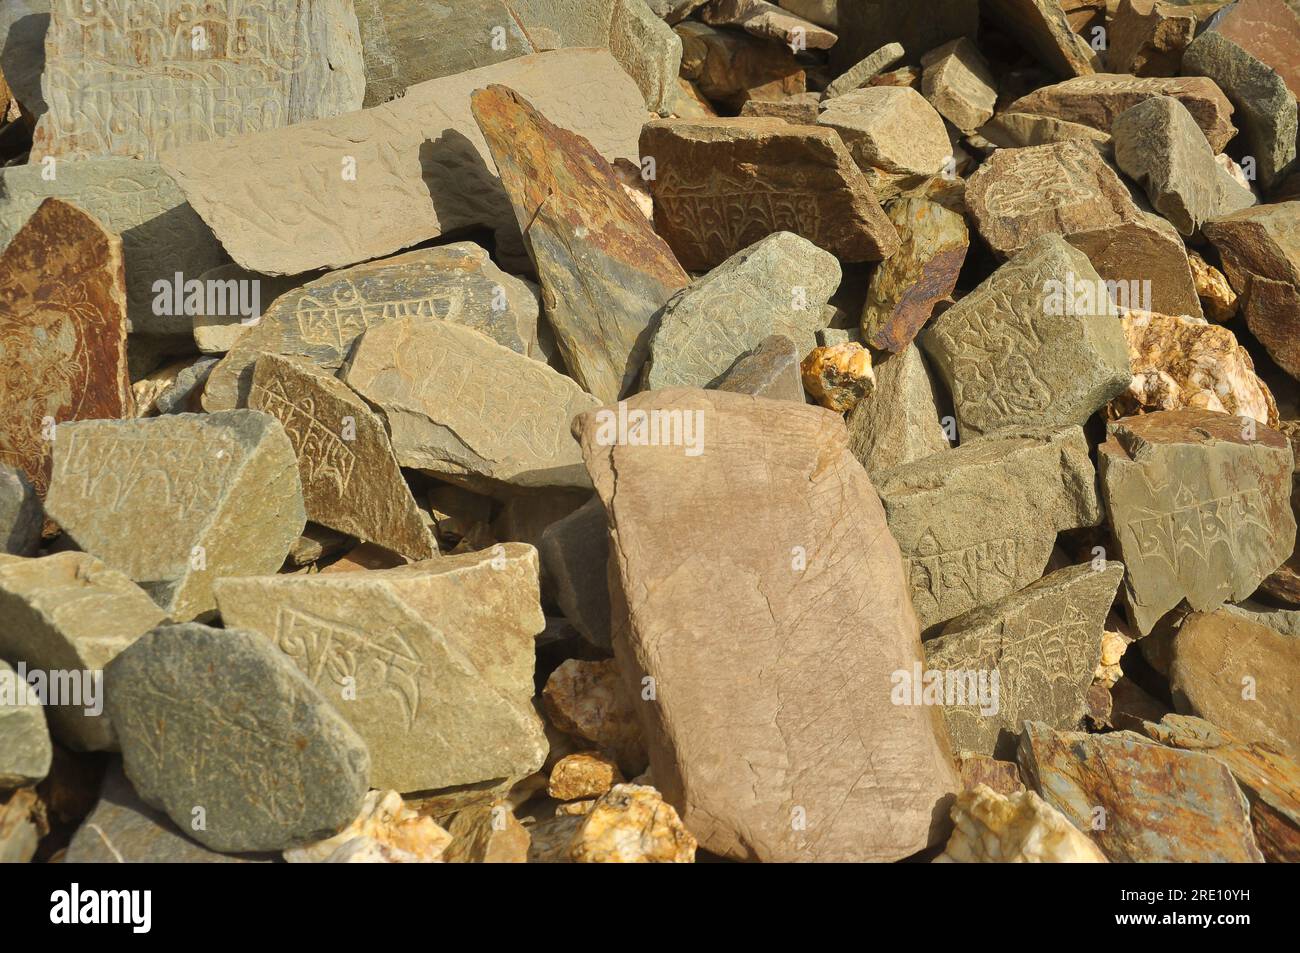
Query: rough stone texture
[1021, 828]
[487, 834]
[439, 653]
[160, 233]
[1097, 101]
[1213, 288]
[20, 832]
[1267, 109]
[62, 333]
[769, 21]
[1042, 27]
[801, 110]
[1284, 621]
[1014, 130]
[733, 68]
[589, 701]
[1012, 353]
[265, 196]
[778, 285]
[724, 184]
[225, 486]
[132, 80]
[604, 271]
[769, 370]
[821, 12]
[838, 376]
[979, 522]
[680, 570]
[1159, 804]
[979, 769]
[631, 824]
[674, 11]
[1200, 508]
[906, 286]
[215, 332]
[899, 422]
[897, 138]
[958, 83]
[322, 319]
[220, 719]
[574, 552]
[25, 750]
[23, 25]
[587, 774]
[69, 612]
[1270, 32]
[458, 404]
[1241, 675]
[861, 73]
[385, 832]
[1148, 37]
[1043, 641]
[20, 513]
[867, 25]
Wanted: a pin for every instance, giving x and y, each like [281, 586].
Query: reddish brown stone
[1268, 31]
[1001, 776]
[1147, 37]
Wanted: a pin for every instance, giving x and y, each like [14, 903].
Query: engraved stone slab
[1044, 642]
[604, 272]
[1269, 31]
[723, 184]
[220, 719]
[176, 501]
[1019, 350]
[1200, 508]
[431, 663]
[62, 333]
[810, 722]
[320, 320]
[779, 285]
[979, 522]
[422, 167]
[70, 612]
[899, 422]
[959, 84]
[459, 405]
[25, 750]
[160, 233]
[350, 478]
[1042, 27]
[769, 370]
[216, 331]
[21, 516]
[129, 79]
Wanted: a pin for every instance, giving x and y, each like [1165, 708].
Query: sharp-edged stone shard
[899, 422]
[769, 370]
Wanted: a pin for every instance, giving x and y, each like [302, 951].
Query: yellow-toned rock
[487, 834]
[385, 832]
[587, 700]
[631, 824]
[1113, 646]
[838, 375]
[1212, 287]
[588, 774]
[1020, 828]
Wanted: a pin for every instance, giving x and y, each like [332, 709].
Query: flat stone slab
[769, 370]
[899, 423]
[431, 663]
[1148, 37]
[862, 71]
[224, 485]
[1268, 31]
[223, 732]
[958, 83]
[897, 138]
[770, 21]
[25, 751]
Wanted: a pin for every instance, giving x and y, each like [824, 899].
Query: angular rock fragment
[487, 834]
[979, 769]
[386, 831]
[1148, 37]
[1269, 31]
[21, 516]
[25, 750]
[588, 700]
[821, 12]
[993, 828]
[1016, 130]
[1217, 297]
[867, 25]
[1042, 27]
[217, 330]
[631, 824]
[769, 370]
[769, 21]
[957, 82]
[838, 376]
[733, 69]
[20, 825]
[860, 73]
[574, 552]
[800, 110]
[224, 485]
[899, 422]
[587, 774]
[897, 138]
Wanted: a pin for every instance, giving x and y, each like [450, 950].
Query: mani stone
[723, 184]
[958, 83]
[431, 663]
[733, 69]
[404, 42]
[383, 179]
[769, 21]
[224, 733]
[862, 72]
[25, 750]
[322, 319]
[866, 776]
[1267, 107]
[1042, 27]
[994, 828]
[977, 523]
[1148, 37]
[899, 422]
[129, 80]
[1044, 643]
[350, 478]
[1097, 101]
[574, 553]
[216, 330]
[21, 516]
[769, 370]
[461, 406]
[866, 25]
[895, 136]
[1240, 675]
[1141, 802]
[160, 233]
[69, 612]
[1021, 349]
[175, 502]
[778, 285]
[603, 270]
[906, 286]
[1199, 504]
[1268, 31]
[62, 333]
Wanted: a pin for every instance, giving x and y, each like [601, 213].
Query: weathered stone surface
[733, 68]
[979, 769]
[776, 286]
[62, 333]
[589, 701]
[216, 331]
[679, 569]
[1148, 37]
[724, 184]
[801, 110]
[265, 196]
[1014, 130]
[631, 824]
[279, 767]
[769, 21]
[1023, 349]
[604, 271]
[1269, 31]
[866, 25]
[23, 25]
[574, 552]
[1044, 642]
[69, 612]
[821, 12]
[25, 751]
[350, 478]
[958, 83]
[674, 11]
[440, 654]
[1098, 100]
[897, 138]
[1266, 108]
[1284, 621]
[487, 834]
[1021, 828]
[225, 486]
[907, 285]
[861, 73]
[899, 422]
[769, 370]
[131, 81]
[385, 832]
[979, 522]
[587, 774]
[1241, 675]
[1042, 27]
[20, 832]
[838, 376]
[460, 405]
[1159, 804]
[1199, 504]
[1218, 299]
[322, 319]
[20, 513]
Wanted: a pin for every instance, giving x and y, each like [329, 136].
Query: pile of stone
[570, 431]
